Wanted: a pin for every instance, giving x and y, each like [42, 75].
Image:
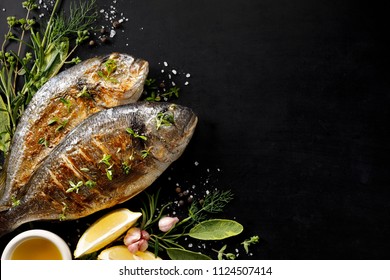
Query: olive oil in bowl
[36, 245]
[36, 249]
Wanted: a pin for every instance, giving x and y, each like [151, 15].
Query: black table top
[293, 106]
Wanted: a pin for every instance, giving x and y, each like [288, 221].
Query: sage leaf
[181, 254]
[216, 229]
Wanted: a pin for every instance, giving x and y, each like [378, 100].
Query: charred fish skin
[106, 160]
[62, 103]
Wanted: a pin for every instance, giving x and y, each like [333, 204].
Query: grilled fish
[64, 102]
[109, 158]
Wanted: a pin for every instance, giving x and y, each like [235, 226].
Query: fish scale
[47, 197]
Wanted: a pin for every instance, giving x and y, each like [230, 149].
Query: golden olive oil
[36, 249]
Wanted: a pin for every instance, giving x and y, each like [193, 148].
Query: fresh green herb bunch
[45, 52]
[197, 225]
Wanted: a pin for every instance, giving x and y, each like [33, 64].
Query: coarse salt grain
[112, 33]
[174, 71]
[186, 83]
[165, 64]
[188, 75]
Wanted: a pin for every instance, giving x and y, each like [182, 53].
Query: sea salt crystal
[174, 71]
[173, 83]
[162, 70]
[190, 245]
[165, 64]
[186, 83]
[120, 20]
[188, 75]
[3, 9]
[112, 33]
[102, 11]
[196, 163]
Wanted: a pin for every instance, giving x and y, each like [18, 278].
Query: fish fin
[5, 222]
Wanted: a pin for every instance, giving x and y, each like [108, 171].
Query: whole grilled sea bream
[61, 104]
[107, 159]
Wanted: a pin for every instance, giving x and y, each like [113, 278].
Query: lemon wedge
[120, 252]
[105, 230]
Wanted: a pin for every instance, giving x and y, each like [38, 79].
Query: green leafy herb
[90, 184]
[154, 92]
[52, 121]
[126, 168]
[136, 135]
[253, 240]
[213, 203]
[84, 93]
[222, 255]
[62, 125]
[66, 103]
[62, 216]
[164, 119]
[110, 67]
[216, 229]
[109, 173]
[74, 187]
[182, 254]
[42, 141]
[145, 153]
[106, 160]
[15, 202]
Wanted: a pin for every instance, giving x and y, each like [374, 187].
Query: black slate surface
[292, 99]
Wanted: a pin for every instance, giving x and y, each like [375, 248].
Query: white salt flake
[162, 70]
[165, 64]
[174, 71]
[190, 245]
[173, 83]
[102, 11]
[186, 83]
[196, 163]
[112, 33]
[188, 75]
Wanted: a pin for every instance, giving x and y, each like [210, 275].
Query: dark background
[292, 99]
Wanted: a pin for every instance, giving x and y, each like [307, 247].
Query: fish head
[172, 128]
[124, 75]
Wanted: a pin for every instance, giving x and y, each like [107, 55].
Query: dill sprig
[213, 203]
